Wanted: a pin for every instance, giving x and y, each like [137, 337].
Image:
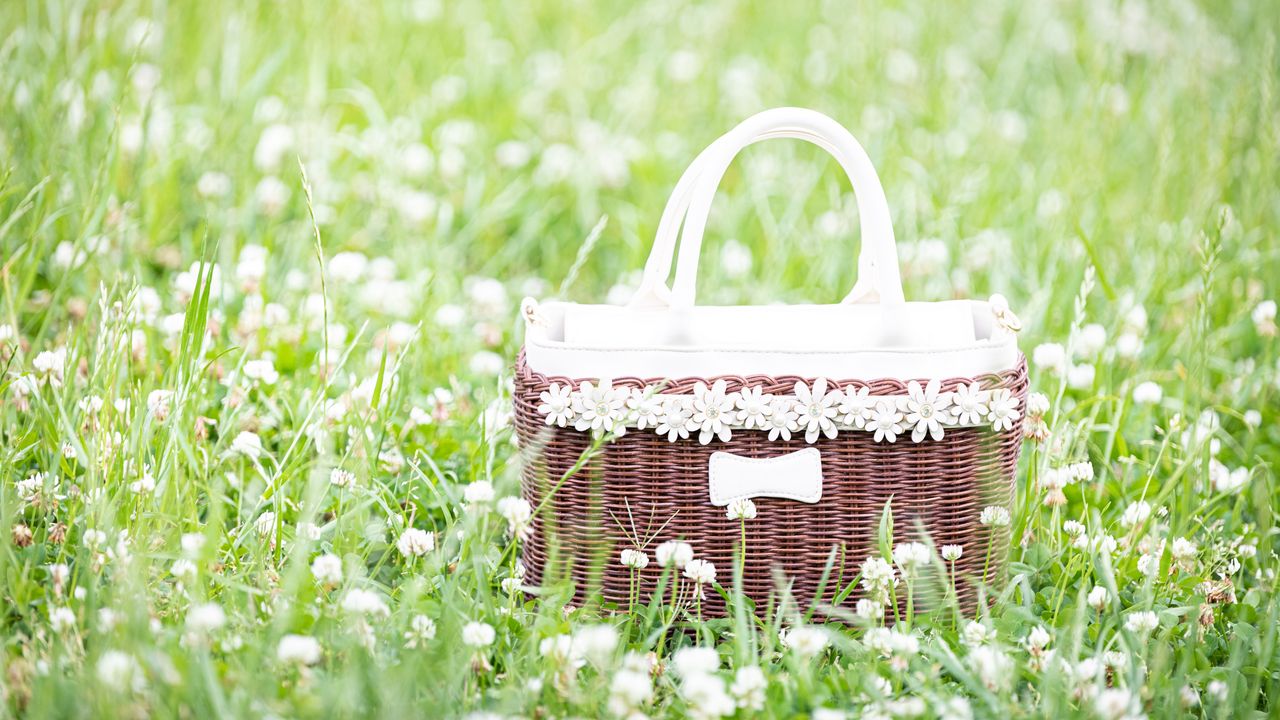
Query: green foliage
[250, 338]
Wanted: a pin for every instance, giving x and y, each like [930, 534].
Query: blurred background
[1108, 165]
[486, 139]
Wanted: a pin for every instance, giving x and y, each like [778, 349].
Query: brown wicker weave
[643, 487]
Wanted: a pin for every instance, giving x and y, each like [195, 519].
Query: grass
[353, 177]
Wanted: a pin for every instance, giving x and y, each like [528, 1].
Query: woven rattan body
[642, 487]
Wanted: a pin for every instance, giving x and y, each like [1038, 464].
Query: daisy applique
[925, 409]
[782, 420]
[1003, 410]
[817, 409]
[557, 405]
[713, 412]
[969, 404]
[599, 407]
[645, 409]
[856, 406]
[886, 422]
[753, 408]
[676, 418]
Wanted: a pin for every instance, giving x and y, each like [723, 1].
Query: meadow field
[262, 269]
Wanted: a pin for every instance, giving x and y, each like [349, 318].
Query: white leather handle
[877, 261]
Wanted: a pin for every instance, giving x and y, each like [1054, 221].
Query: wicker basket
[817, 414]
[640, 486]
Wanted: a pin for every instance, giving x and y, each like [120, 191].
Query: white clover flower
[1136, 514]
[706, 696]
[49, 365]
[805, 641]
[975, 634]
[677, 419]
[816, 409]
[701, 572]
[896, 645]
[1264, 317]
[749, 685]
[478, 634]
[1116, 703]
[1252, 419]
[1128, 345]
[994, 668]
[885, 423]
[1038, 638]
[1148, 393]
[262, 371]
[742, 509]
[271, 195]
[518, 513]
[878, 579]
[599, 407]
[629, 690]
[951, 553]
[634, 559]
[595, 643]
[206, 618]
[969, 404]
[1037, 404]
[1184, 550]
[1081, 471]
[557, 648]
[146, 483]
[856, 406]
[557, 405]
[191, 543]
[1099, 598]
[1189, 697]
[645, 408]
[1218, 690]
[421, 630]
[910, 556]
[265, 524]
[994, 516]
[184, 569]
[344, 479]
[1080, 377]
[1050, 357]
[782, 419]
[247, 444]
[415, 543]
[925, 408]
[1003, 409]
[273, 143]
[298, 650]
[62, 619]
[117, 670]
[674, 554]
[327, 569]
[1073, 528]
[479, 492]
[1141, 622]
[690, 661]
[160, 404]
[868, 609]
[1090, 341]
[713, 411]
[309, 531]
[358, 601]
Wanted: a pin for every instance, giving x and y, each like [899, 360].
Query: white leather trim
[558, 359]
[794, 476]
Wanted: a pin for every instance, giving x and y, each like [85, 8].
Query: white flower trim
[816, 411]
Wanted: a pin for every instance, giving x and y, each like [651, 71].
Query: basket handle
[878, 276]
